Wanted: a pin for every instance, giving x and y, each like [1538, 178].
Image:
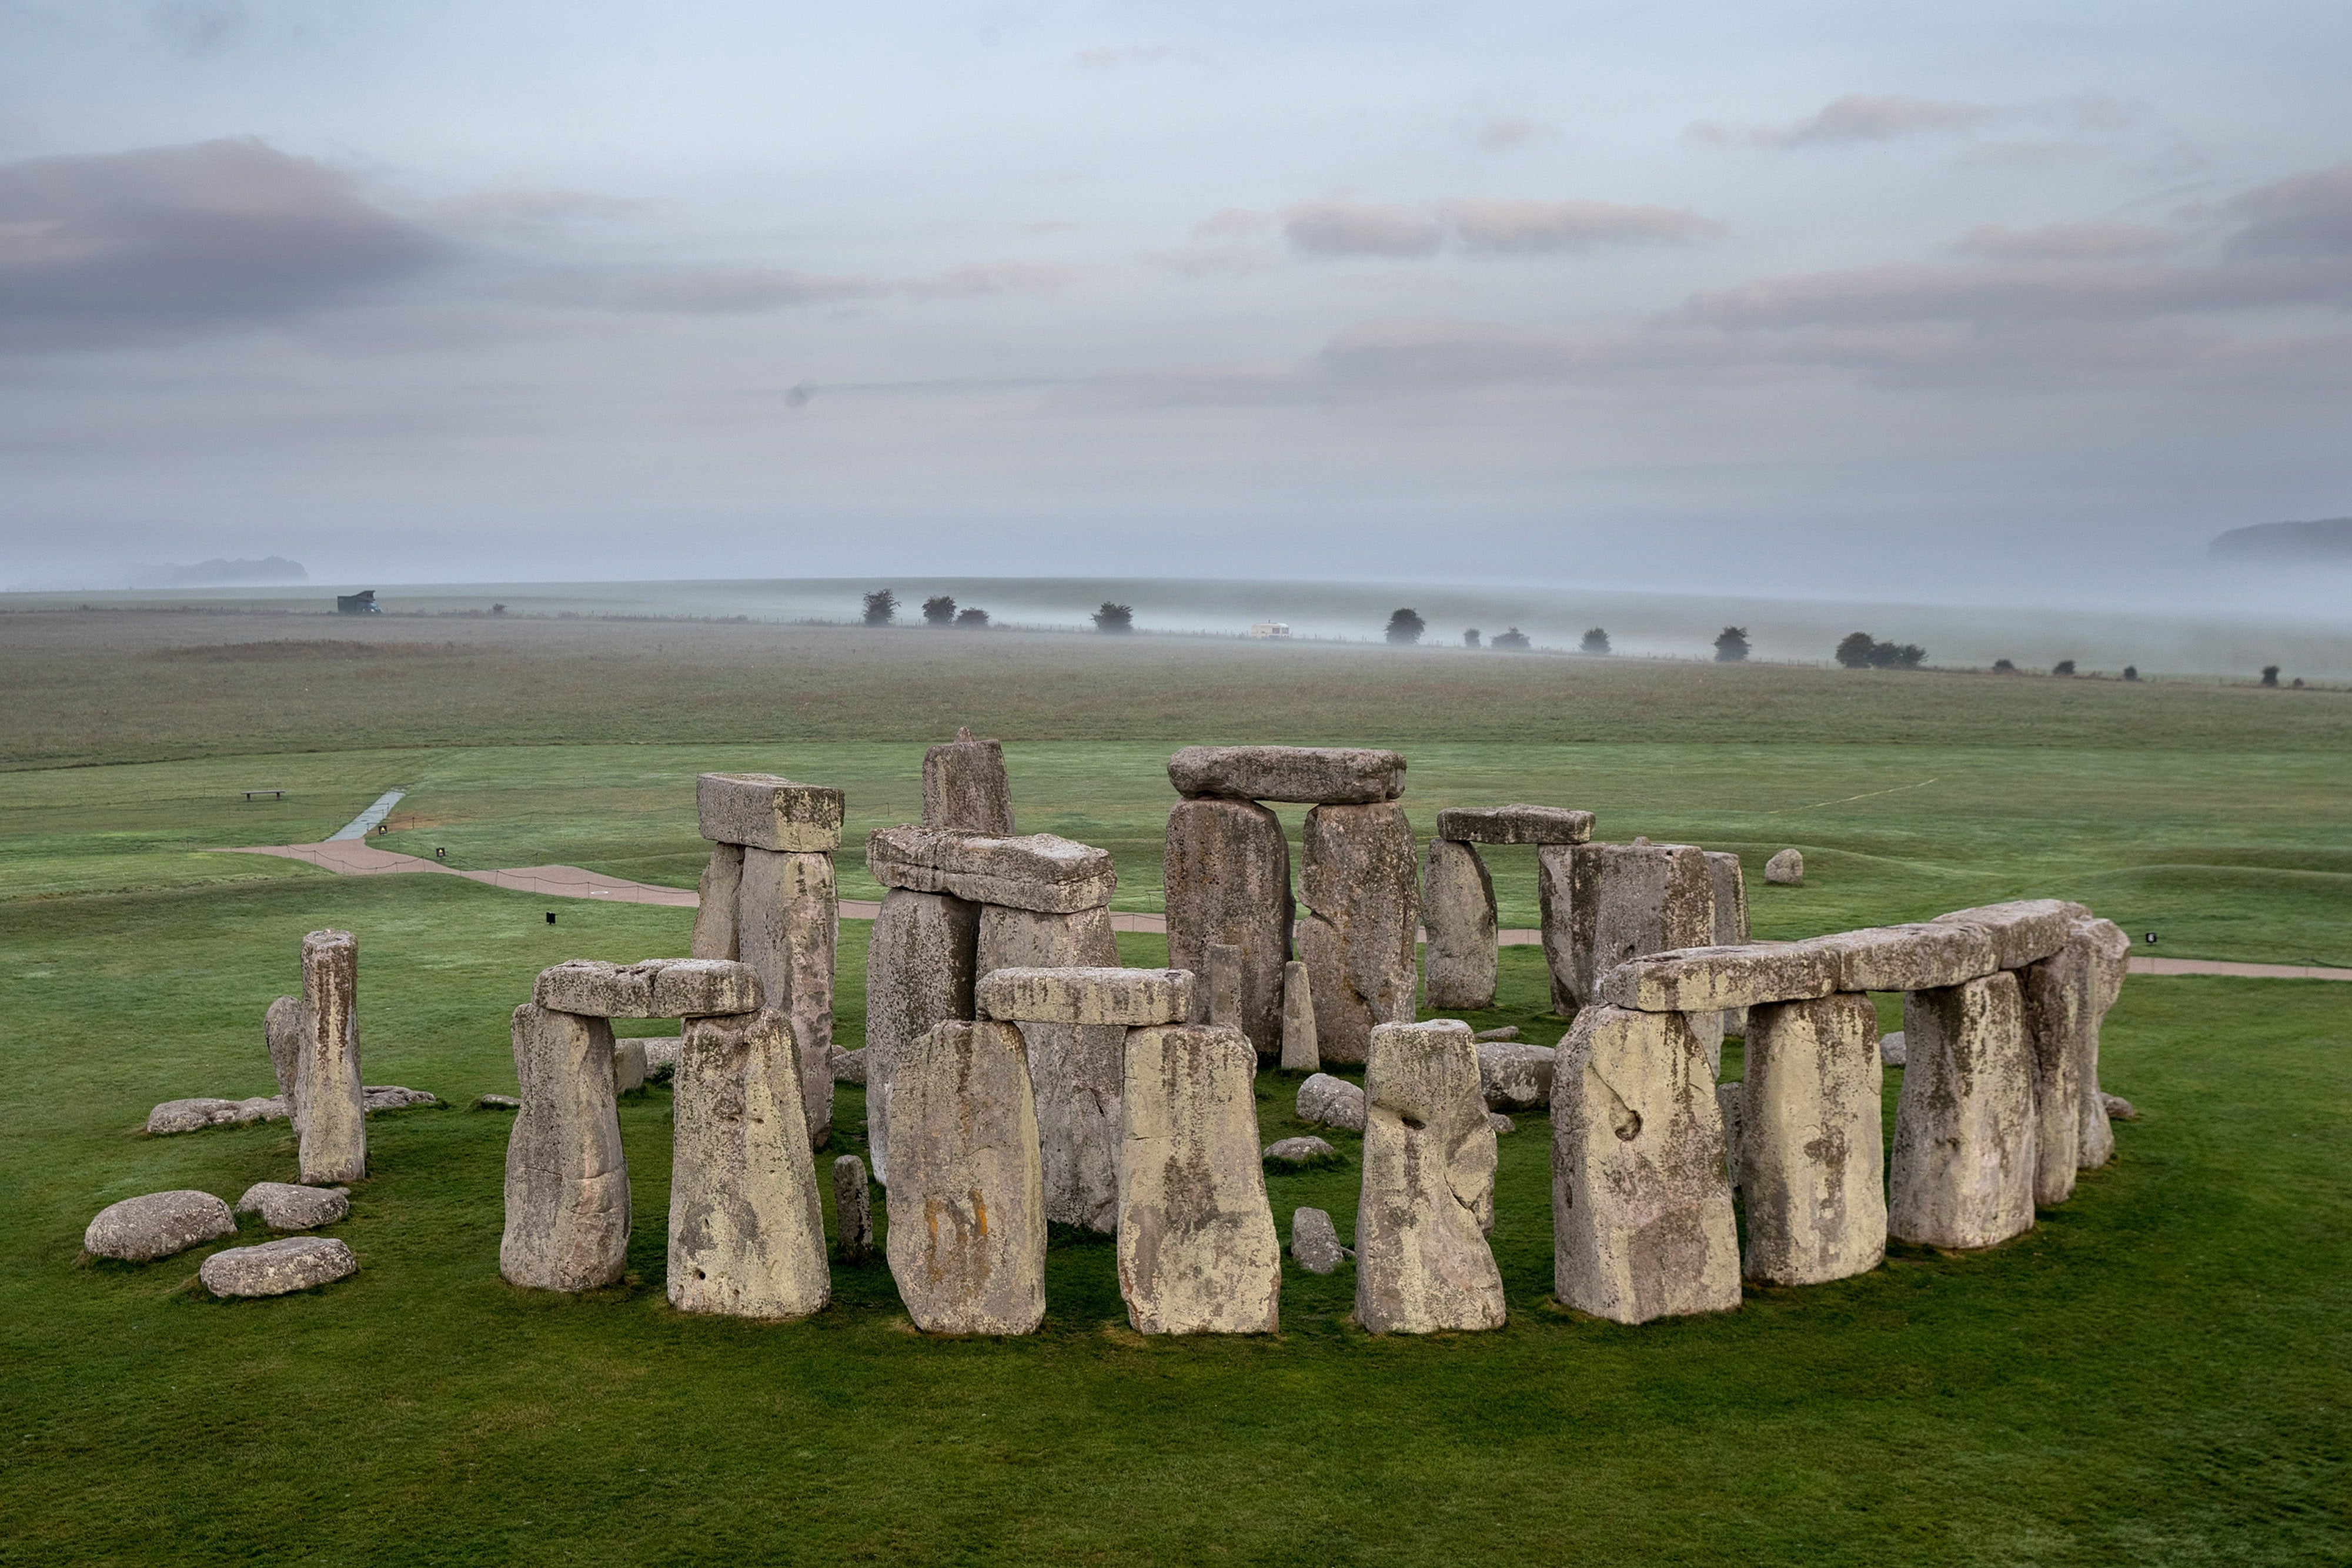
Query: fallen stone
[1314, 1241]
[2094, 1141]
[1128, 998]
[1227, 872]
[1423, 1265]
[966, 787]
[853, 1210]
[567, 1183]
[2119, 1108]
[716, 932]
[1962, 1174]
[1642, 1213]
[789, 915]
[1310, 775]
[1922, 957]
[378, 1097]
[1362, 886]
[278, 1267]
[498, 1103]
[1329, 1101]
[281, 1030]
[1458, 911]
[967, 1194]
[1299, 1049]
[763, 812]
[628, 1066]
[746, 1227]
[1039, 872]
[920, 962]
[2023, 931]
[1508, 1031]
[1709, 980]
[329, 1113]
[1810, 1169]
[655, 988]
[849, 1067]
[192, 1116]
[1501, 1124]
[1300, 1151]
[286, 1206]
[1198, 1252]
[1513, 1076]
[1786, 869]
[1074, 1068]
[141, 1230]
[1514, 825]
[1891, 1049]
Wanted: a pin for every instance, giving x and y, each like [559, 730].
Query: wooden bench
[249, 794]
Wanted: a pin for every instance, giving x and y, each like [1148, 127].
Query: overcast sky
[1802, 297]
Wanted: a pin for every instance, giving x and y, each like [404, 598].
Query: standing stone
[1731, 887]
[330, 1116]
[1786, 869]
[965, 787]
[714, 916]
[788, 917]
[1641, 1215]
[1556, 913]
[1633, 899]
[853, 1210]
[918, 972]
[2095, 1144]
[628, 1066]
[746, 1231]
[1221, 970]
[1731, 1104]
[2057, 997]
[1226, 870]
[1811, 1166]
[967, 1239]
[281, 1027]
[1964, 1161]
[1314, 1241]
[567, 1190]
[1363, 891]
[1074, 1068]
[1198, 1252]
[1457, 908]
[1423, 1265]
[1299, 1053]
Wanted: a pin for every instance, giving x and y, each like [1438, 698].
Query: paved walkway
[350, 858]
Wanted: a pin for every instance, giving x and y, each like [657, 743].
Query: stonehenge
[567, 1188]
[918, 973]
[1808, 1146]
[965, 787]
[1457, 909]
[746, 1224]
[283, 1206]
[1962, 1172]
[1362, 887]
[1226, 869]
[329, 1113]
[853, 1210]
[1423, 1265]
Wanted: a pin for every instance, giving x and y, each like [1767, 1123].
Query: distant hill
[2329, 539]
[214, 573]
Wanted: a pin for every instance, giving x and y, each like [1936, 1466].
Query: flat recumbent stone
[1133, 997]
[1708, 979]
[286, 1206]
[657, 988]
[278, 1267]
[1514, 825]
[766, 812]
[141, 1230]
[1309, 775]
[1040, 873]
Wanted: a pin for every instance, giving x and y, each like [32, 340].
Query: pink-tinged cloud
[1358, 228]
[1537, 227]
[2068, 241]
[1855, 117]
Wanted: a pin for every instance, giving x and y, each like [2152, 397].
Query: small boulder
[1500, 1123]
[141, 1230]
[191, 1115]
[1786, 869]
[1331, 1101]
[1508, 1031]
[2119, 1108]
[278, 1267]
[283, 1206]
[628, 1066]
[498, 1103]
[661, 1059]
[849, 1066]
[1301, 1151]
[1891, 1050]
[1515, 1077]
[393, 1097]
[1314, 1241]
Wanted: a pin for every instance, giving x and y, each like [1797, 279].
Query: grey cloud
[2306, 214]
[1525, 226]
[1856, 117]
[104, 249]
[989, 278]
[755, 290]
[530, 214]
[1503, 132]
[1358, 228]
[2067, 242]
[1232, 223]
[198, 26]
[2012, 292]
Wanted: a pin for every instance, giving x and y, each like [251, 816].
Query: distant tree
[1405, 626]
[2297, 683]
[1511, 642]
[1596, 640]
[1115, 617]
[938, 611]
[1888, 656]
[1470, 638]
[973, 620]
[881, 607]
[2004, 667]
[2062, 667]
[498, 610]
[2131, 672]
[1854, 650]
[1731, 645]
[2270, 675]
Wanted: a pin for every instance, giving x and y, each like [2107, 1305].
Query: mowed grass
[2157, 1374]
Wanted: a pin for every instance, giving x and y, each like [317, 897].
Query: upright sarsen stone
[746, 1227]
[1556, 873]
[1423, 1265]
[1811, 1166]
[1074, 1068]
[965, 787]
[1730, 888]
[567, 1190]
[1226, 870]
[852, 1209]
[282, 1030]
[1300, 1052]
[2058, 998]
[1363, 890]
[966, 1197]
[919, 969]
[2111, 955]
[787, 922]
[714, 912]
[1198, 1252]
[1962, 1174]
[1457, 909]
[330, 1113]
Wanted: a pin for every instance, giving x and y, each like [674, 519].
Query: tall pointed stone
[332, 1113]
[567, 1189]
[1300, 1052]
[746, 1226]
[715, 931]
[1457, 909]
[965, 787]
[1363, 884]
[789, 916]
[1810, 1166]
[1423, 1264]
[967, 1196]
[1227, 872]
[2094, 1141]
[1963, 1167]
[1074, 1068]
[920, 965]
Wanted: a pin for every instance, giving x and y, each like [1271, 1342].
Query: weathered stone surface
[2023, 931]
[1198, 1252]
[1513, 1076]
[1503, 1126]
[1220, 984]
[921, 962]
[1730, 920]
[1362, 886]
[282, 1029]
[1786, 869]
[2059, 999]
[1129, 998]
[1631, 901]
[141, 1229]
[192, 1115]
[661, 1059]
[1556, 872]
[393, 1097]
[1329, 1101]
[655, 988]
[849, 1066]
[715, 932]
[330, 1115]
[1731, 1104]
[286, 1206]
[1920, 957]
[789, 914]
[965, 787]
[1423, 1265]
[498, 1103]
[1811, 1167]
[1962, 1174]
[567, 1192]
[853, 1210]
[1300, 1151]
[967, 1235]
[2117, 1108]
[1891, 1049]
[1039, 872]
[1074, 1068]
[1706, 979]
[746, 1227]
[1641, 1215]
[763, 812]
[1226, 870]
[1508, 1031]
[1458, 911]
[1314, 1241]
[1300, 1052]
[2094, 1141]
[628, 1066]
[1514, 825]
[1310, 775]
[278, 1267]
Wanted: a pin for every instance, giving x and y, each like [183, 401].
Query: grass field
[2158, 1374]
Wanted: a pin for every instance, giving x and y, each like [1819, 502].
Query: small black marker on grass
[551, 917]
